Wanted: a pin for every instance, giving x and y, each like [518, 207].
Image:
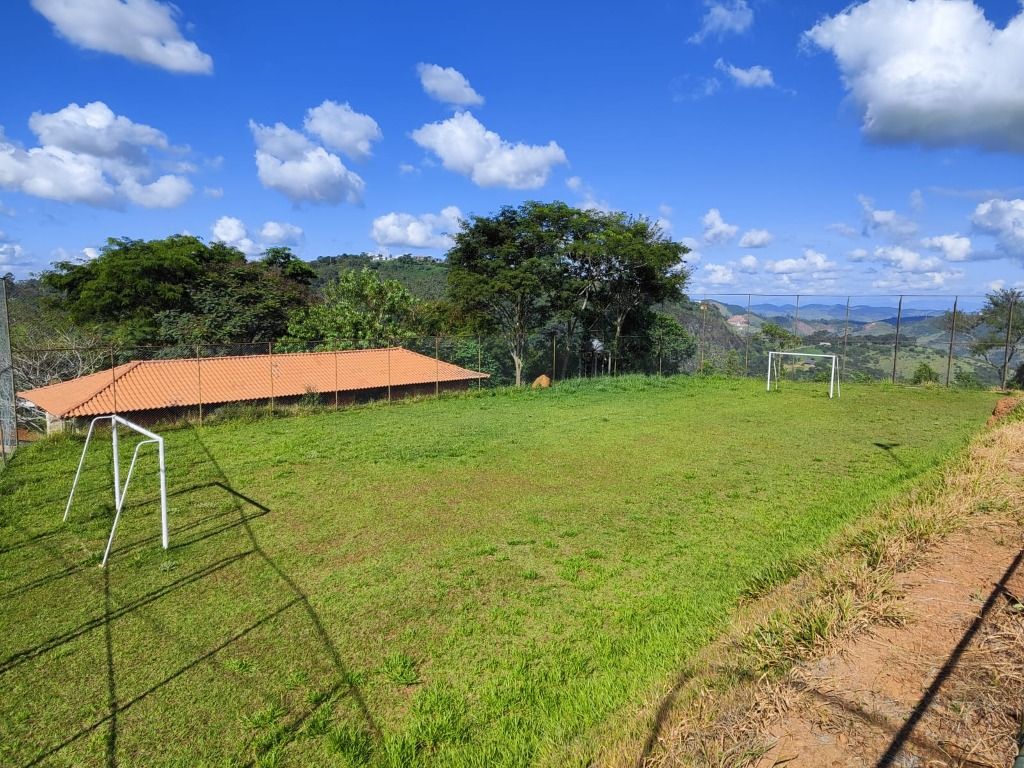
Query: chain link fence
[900, 339]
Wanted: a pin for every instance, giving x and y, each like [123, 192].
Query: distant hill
[424, 277]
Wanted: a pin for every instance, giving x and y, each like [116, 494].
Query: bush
[924, 374]
[966, 379]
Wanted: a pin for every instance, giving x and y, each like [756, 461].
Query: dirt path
[946, 688]
[936, 680]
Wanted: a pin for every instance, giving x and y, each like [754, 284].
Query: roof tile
[144, 385]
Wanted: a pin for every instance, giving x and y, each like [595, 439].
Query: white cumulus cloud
[447, 85]
[90, 155]
[934, 72]
[722, 18]
[141, 30]
[756, 238]
[953, 247]
[342, 128]
[428, 230]
[887, 222]
[465, 146]
[718, 274]
[899, 258]
[1004, 220]
[751, 77]
[748, 264]
[812, 261]
[233, 231]
[301, 170]
[716, 229]
[280, 233]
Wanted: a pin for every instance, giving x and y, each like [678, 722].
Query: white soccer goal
[774, 361]
[121, 490]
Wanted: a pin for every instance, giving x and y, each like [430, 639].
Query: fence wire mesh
[912, 340]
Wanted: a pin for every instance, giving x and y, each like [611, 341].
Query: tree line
[591, 281]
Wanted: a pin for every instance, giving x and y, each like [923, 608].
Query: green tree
[122, 290]
[358, 310]
[506, 272]
[671, 344]
[638, 268]
[924, 374]
[777, 337]
[1003, 311]
[242, 302]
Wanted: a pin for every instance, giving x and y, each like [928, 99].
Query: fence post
[479, 360]
[336, 385]
[8, 354]
[746, 342]
[952, 335]
[113, 378]
[846, 339]
[270, 358]
[554, 356]
[1006, 344]
[390, 344]
[437, 366]
[199, 383]
[703, 323]
[896, 341]
[796, 317]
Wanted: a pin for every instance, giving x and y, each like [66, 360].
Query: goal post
[774, 360]
[120, 491]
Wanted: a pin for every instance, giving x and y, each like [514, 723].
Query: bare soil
[936, 678]
[944, 689]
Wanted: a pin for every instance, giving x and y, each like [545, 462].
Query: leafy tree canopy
[122, 289]
[358, 310]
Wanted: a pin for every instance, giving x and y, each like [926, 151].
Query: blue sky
[813, 147]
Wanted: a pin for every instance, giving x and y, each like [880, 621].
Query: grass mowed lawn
[486, 580]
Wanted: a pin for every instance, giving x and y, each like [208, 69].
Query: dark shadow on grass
[176, 542]
[904, 734]
[108, 641]
[345, 680]
[888, 448]
[116, 709]
[15, 659]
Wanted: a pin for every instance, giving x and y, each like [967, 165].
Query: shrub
[966, 379]
[924, 374]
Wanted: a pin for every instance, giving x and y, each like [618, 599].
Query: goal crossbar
[120, 491]
[833, 379]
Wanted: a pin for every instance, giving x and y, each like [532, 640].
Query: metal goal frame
[151, 438]
[833, 381]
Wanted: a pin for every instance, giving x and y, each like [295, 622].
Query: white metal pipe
[124, 493]
[163, 495]
[117, 463]
[120, 491]
[81, 463]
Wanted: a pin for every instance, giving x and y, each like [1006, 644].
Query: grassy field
[503, 579]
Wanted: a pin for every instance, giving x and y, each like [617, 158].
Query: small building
[151, 391]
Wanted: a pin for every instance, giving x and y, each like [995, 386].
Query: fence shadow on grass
[240, 514]
[345, 682]
[906, 731]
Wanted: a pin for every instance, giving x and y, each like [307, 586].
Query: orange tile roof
[143, 385]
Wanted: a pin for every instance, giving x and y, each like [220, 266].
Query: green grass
[502, 579]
